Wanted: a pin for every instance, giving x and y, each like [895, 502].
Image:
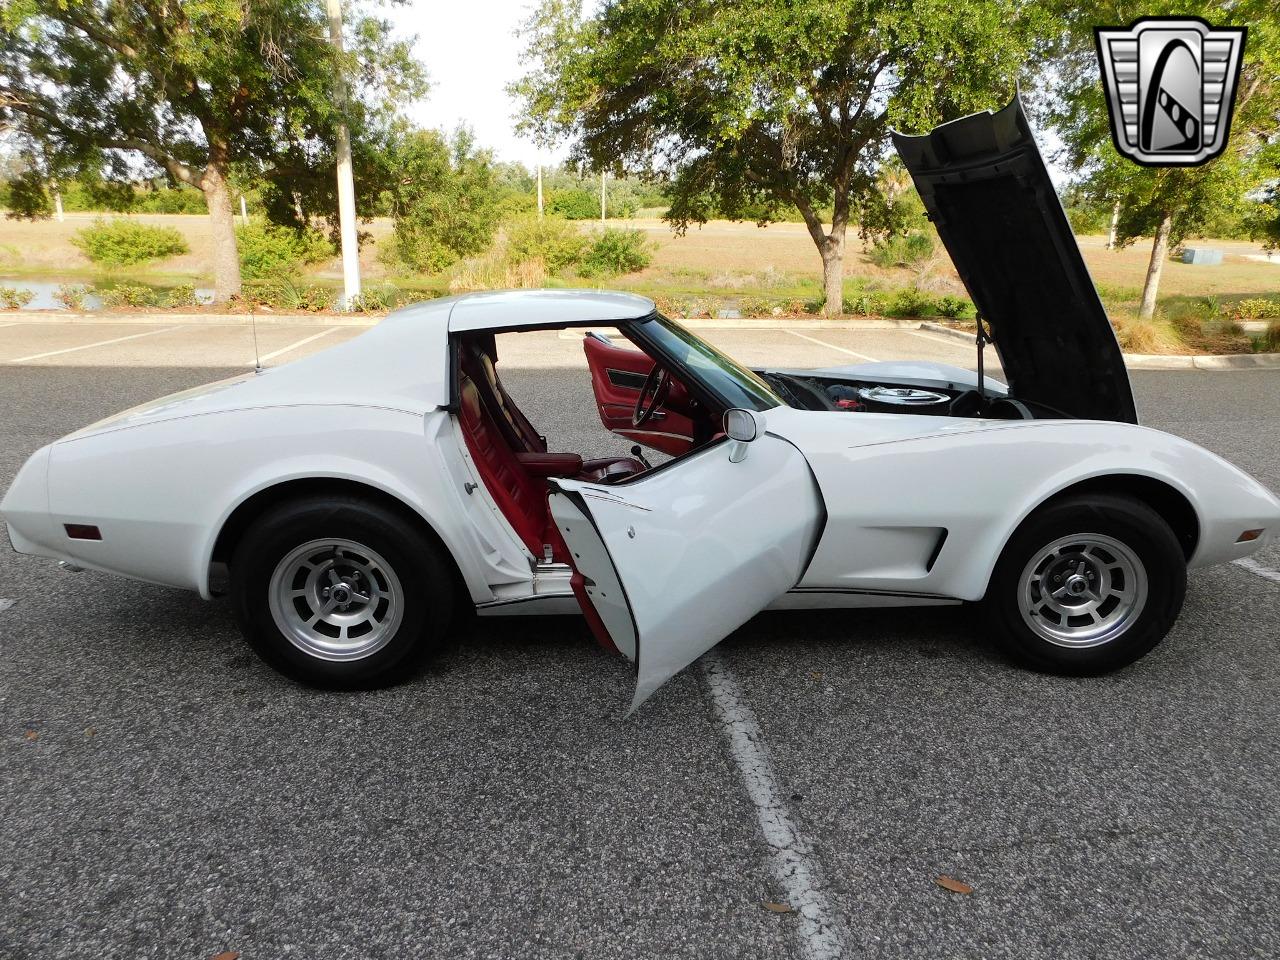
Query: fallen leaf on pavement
[778, 907]
[954, 885]
[32, 735]
[227, 955]
[89, 731]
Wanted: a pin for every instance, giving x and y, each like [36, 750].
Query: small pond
[45, 293]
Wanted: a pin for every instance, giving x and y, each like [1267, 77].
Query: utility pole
[244, 211]
[602, 210]
[57, 203]
[1115, 221]
[346, 185]
[539, 189]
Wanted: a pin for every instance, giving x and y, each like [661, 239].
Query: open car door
[669, 564]
[617, 376]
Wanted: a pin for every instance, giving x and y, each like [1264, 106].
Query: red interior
[511, 456]
[670, 430]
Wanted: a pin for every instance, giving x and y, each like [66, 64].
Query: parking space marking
[794, 865]
[15, 323]
[949, 341]
[294, 346]
[832, 346]
[90, 346]
[1254, 567]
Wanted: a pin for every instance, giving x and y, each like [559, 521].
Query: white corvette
[354, 502]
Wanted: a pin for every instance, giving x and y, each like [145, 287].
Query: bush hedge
[269, 251]
[123, 242]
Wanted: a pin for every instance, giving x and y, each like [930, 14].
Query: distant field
[720, 259]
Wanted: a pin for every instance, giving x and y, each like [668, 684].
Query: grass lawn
[719, 262]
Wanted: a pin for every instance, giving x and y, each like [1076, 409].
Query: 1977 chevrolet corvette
[359, 498]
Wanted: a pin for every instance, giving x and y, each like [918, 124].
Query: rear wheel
[340, 592]
[1087, 585]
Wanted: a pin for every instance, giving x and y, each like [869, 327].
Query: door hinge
[546, 554]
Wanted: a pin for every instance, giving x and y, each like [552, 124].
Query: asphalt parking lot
[163, 794]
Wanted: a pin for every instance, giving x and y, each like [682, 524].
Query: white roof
[402, 363]
[504, 309]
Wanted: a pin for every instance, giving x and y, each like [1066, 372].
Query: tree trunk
[226, 259]
[833, 274]
[1159, 250]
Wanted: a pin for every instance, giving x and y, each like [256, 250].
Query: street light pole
[346, 185]
[602, 210]
[539, 189]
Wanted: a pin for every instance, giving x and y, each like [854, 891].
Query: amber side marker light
[82, 531]
[1249, 535]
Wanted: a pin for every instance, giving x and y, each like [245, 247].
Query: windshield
[737, 386]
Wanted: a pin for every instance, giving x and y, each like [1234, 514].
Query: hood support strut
[982, 339]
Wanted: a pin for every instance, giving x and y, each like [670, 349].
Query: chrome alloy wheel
[336, 600]
[1082, 591]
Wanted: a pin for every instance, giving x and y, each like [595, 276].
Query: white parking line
[832, 346]
[15, 323]
[794, 865]
[90, 346]
[1253, 566]
[949, 341]
[294, 346]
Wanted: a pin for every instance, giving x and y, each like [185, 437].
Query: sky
[471, 52]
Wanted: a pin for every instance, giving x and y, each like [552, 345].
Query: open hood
[986, 189]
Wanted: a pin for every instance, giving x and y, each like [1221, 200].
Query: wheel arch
[258, 503]
[1167, 500]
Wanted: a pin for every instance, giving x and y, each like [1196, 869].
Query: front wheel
[1087, 585]
[340, 592]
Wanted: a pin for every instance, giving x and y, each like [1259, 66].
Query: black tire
[426, 598]
[1130, 523]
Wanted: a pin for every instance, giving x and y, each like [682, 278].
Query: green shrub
[553, 240]
[901, 250]
[957, 308]
[183, 295]
[1257, 308]
[14, 299]
[123, 242]
[129, 295]
[862, 303]
[373, 299]
[614, 252]
[73, 296]
[271, 251]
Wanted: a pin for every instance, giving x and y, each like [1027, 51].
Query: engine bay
[855, 395]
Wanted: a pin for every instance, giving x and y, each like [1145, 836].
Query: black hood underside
[986, 189]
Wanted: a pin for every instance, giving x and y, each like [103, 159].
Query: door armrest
[551, 464]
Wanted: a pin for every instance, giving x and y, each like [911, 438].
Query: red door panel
[617, 375]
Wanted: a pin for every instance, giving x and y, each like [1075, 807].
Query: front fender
[931, 513]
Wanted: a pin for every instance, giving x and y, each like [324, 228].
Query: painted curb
[1160, 361]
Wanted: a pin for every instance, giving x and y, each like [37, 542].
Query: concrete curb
[339, 320]
[1158, 361]
[1136, 361]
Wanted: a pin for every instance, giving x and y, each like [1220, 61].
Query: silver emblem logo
[1171, 86]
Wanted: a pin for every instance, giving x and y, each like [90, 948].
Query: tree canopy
[195, 89]
[761, 105]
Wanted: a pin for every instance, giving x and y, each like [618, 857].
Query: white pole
[602, 210]
[539, 189]
[244, 211]
[346, 185]
[57, 205]
[1115, 220]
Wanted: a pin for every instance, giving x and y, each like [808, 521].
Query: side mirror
[741, 426]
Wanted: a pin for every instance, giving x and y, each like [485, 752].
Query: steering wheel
[654, 393]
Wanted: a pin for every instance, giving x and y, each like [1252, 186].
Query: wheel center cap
[341, 593]
[1077, 585]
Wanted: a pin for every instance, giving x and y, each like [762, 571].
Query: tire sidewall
[1129, 521]
[425, 584]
